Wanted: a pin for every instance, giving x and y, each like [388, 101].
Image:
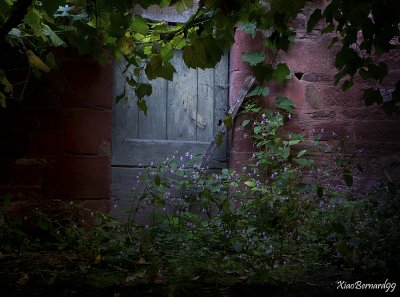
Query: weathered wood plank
[205, 105]
[154, 125]
[221, 89]
[168, 14]
[182, 95]
[125, 113]
[141, 151]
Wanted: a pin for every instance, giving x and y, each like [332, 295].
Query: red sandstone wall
[371, 139]
[56, 144]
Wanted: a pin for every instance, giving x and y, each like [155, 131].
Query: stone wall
[346, 127]
[56, 143]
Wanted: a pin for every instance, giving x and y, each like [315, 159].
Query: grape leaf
[281, 72]
[315, 17]
[284, 103]
[33, 19]
[35, 61]
[254, 58]
[259, 91]
[138, 24]
[250, 28]
[372, 96]
[245, 123]
[55, 39]
[156, 67]
[143, 90]
[182, 5]
[51, 6]
[142, 106]
[119, 97]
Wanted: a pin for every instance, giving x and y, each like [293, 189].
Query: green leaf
[254, 58]
[51, 60]
[250, 184]
[301, 153]
[237, 246]
[347, 84]
[371, 96]
[228, 121]
[245, 123]
[55, 39]
[333, 42]
[157, 180]
[250, 28]
[293, 142]
[142, 106]
[284, 103]
[328, 29]
[8, 88]
[36, 62]
[33, 19]
[315, 17]
[143, 90]
[139, 25]
[156, 67]
[304, 162]
[257, 129]
[182, 5]
[258, 91]
[377, 72]
[281, 72]
[202, 52]
[51, 6]
[285, 153]
[220, 137]
[263, 73]
[165, 3]
[2, 100]
[194, 56]
[119, 97]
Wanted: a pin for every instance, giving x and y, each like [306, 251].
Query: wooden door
[183, 116]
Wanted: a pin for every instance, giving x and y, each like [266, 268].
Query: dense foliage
[98, 27]
[259, 226]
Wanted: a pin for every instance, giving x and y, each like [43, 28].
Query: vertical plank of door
[220, 91]
[125, 112]
[205, 105]
[182, 96]
[154, 125]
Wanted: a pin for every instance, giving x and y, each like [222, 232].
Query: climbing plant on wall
[31, 29]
